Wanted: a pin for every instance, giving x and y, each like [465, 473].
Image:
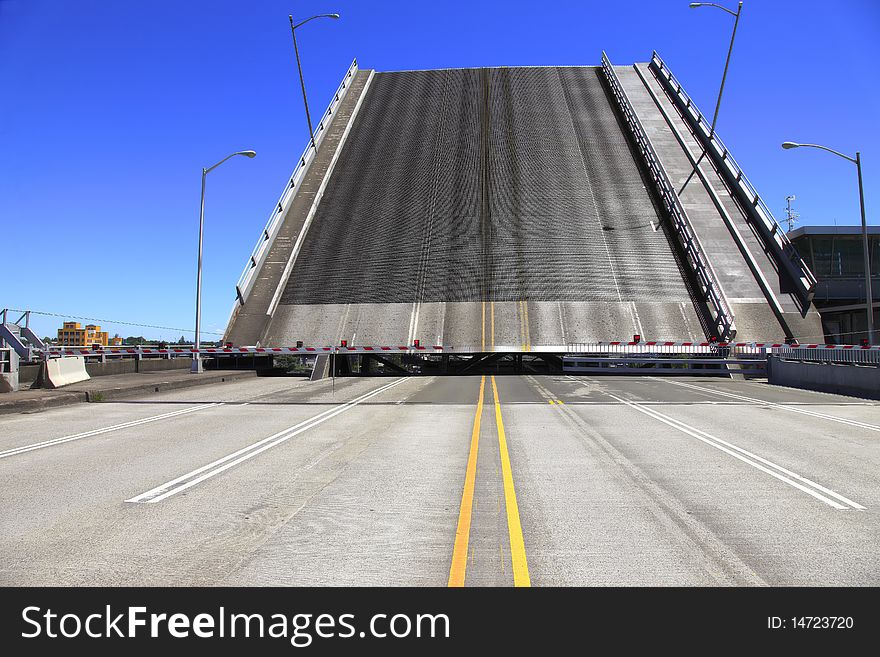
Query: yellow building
[116, 341]
[74, 335]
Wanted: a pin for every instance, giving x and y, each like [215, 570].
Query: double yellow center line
[522, 315]
[514, 526]
[463, 532]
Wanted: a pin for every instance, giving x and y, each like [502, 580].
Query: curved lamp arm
[245, 153]
[694, 5]
[791, 144]
[334, 16]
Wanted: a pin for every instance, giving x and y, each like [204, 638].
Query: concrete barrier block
[111, 367]
[837, 378]
[64, 371]
[163, 364]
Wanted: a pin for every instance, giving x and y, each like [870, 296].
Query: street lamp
[736, 14]
[857, 160]
[197, 367]
[299, 67]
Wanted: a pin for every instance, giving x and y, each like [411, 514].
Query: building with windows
[72, 334]
[835, 254]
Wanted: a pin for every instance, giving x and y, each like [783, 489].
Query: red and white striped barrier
[83, 351]
[759, 345]
[648, 345]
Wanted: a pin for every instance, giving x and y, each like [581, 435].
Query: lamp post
[736, 14]
[197, 367]
[299, 67]
[857, 160]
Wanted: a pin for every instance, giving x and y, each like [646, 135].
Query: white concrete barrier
[837, 378]
[66, 370]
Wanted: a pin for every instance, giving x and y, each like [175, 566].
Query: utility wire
[106, 321]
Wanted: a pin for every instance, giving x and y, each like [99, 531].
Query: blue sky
[109, 109]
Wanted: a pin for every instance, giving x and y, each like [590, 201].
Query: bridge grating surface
[486, 184]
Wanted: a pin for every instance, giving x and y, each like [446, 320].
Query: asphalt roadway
[436, 481]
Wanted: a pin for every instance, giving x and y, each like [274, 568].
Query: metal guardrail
[855, 356]
[261, 250]
[177, 351]
[154, 346]
[652, 348]
[721, 366]
[623, 348]
[111, 353]
[706, 277]
[630, 360]
[759, 215]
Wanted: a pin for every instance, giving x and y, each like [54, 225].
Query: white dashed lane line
[97, 432]
[182, 483]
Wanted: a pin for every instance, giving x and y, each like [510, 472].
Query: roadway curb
[109, 394]
[41, 404]
[120, 392]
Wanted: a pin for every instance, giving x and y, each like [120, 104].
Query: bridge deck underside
[481, 206]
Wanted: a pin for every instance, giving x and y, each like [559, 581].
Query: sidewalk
[117, 386]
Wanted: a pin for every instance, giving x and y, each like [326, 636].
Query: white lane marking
[412, 320]
[638, 320]
[561, 322]
[657, 403]
[737, 452]
[579, 378]
[686, 321]
[415, 328]
[598, 214]
[793, 409]
[582, 377]
[96, 432]
[214, 468]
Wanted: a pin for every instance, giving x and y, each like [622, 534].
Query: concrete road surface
[508, 480]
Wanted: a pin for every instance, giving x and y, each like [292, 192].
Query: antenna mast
[791, 216]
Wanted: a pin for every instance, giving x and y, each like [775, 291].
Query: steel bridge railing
[624, 348]
[759, 215]
[707, 279]
[854, 356]
[267, 238]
